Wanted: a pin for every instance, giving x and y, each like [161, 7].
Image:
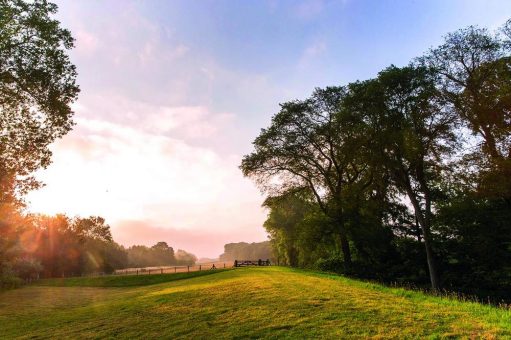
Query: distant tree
[246, 251]
[37, 86]
[164, 253]
[185, 258]
[161, 254]
[92, 227]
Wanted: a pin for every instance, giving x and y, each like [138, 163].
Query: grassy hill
[240, 303]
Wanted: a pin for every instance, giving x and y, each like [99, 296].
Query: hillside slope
[250, 302]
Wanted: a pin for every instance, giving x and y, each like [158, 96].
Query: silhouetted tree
[311, 145]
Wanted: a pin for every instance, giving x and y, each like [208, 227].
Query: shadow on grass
[123, 280]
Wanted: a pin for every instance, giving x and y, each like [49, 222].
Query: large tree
[312, 144]
[412, 137]
[37, 87]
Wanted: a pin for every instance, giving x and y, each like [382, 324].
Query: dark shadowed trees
[412, 137]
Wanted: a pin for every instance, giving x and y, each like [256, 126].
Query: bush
[331, 264]
[9, 281]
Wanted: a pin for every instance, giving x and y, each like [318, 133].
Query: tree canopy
[37, 88]
[363, 176]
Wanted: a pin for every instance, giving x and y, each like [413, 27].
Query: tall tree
[413, 137]
[311, 145]
[37, 86]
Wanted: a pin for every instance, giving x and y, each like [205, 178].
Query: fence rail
[179, 269]
[174, 269]
[244, 263]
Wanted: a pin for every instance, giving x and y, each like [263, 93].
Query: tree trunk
[346, 252]
[345, 245]
[425, 225]
[433, 275]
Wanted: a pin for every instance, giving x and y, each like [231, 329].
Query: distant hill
[247, 251]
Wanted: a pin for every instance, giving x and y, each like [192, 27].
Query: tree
[92, 227]
[413, 137]
[246, 251]
[506, 30]
[37, 87]
[311, 145]
[287, 211]
[474, 68]
[185, 258]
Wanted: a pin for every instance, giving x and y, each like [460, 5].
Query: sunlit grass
[241, 303]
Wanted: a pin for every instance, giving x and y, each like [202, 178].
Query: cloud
[312, 52]
[159, 136]
[185, 122]
[124, 173]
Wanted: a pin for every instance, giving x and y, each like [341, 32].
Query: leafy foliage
[37, 86]
[403, 177]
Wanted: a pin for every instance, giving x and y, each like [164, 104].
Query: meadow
[273, 302]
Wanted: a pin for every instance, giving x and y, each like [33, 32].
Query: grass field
[242, 303]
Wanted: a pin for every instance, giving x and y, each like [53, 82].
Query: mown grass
[121, 280]
[243, 303]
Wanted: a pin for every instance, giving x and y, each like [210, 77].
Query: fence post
[175, 269]
[200, 267]
[188, 268]
[161, 270]
[224, 265]
[149, 271]
[137, 271]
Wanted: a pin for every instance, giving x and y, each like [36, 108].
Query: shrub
[331, 264]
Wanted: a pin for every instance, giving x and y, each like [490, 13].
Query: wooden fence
[244, 263]
[174, 269]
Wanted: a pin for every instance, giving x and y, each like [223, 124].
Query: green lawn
[241, 303]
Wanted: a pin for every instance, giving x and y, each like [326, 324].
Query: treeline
[405, 177]
[247, 251]
[161, 254]
[34, 246]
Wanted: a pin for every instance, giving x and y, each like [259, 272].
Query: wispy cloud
[312, 52]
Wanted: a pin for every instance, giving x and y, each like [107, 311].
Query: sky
[174, 92]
